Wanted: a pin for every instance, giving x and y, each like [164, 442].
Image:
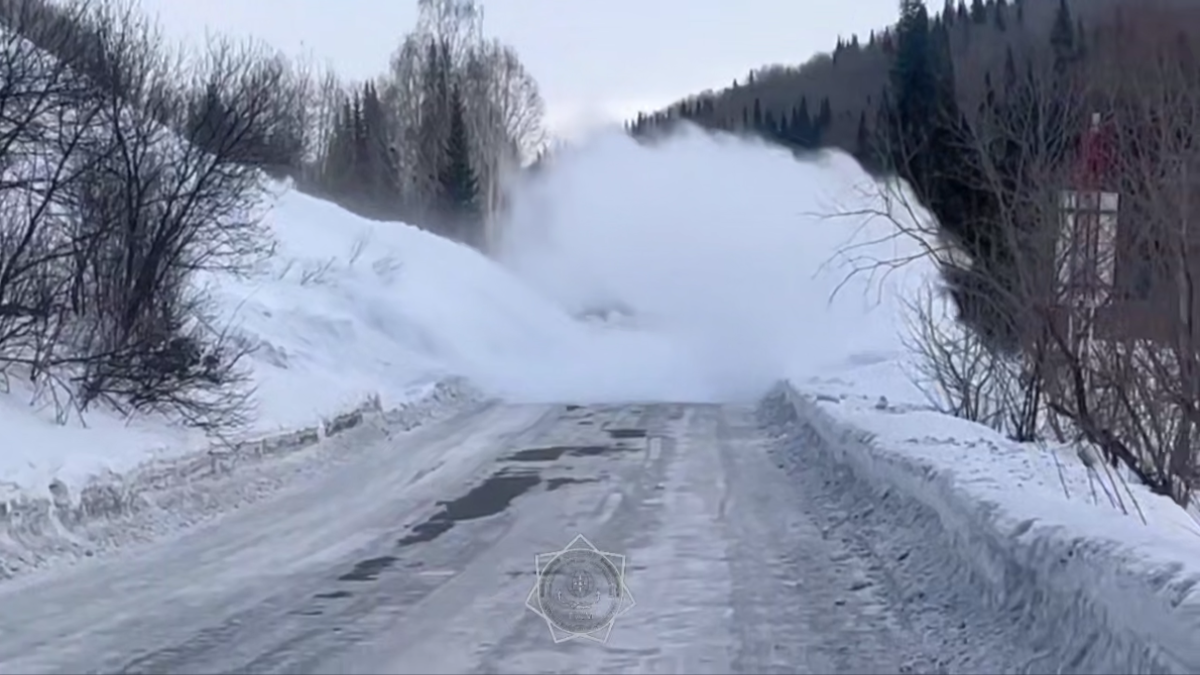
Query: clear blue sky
[591, 57]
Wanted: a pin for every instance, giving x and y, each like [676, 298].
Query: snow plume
[727, 250]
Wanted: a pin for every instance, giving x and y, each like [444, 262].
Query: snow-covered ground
[723, 257]
[353, 310]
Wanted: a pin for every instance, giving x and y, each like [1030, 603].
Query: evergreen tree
[862, 141]
[434, 112]
[458, 185]
[786, 135]
[1080, 39]
[803, 133]
[378, 168]
[1010, 71]
[361, 160]
[912, 80]
[337, 175]
[978, 12]
[208, 118]
[923, 120]
[1062, 36]
[824, 118]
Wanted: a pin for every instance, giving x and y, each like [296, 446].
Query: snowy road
[423, 565]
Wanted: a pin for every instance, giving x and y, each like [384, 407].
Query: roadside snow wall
[1085, 604]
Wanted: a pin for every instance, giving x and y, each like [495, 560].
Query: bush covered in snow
[108, 218]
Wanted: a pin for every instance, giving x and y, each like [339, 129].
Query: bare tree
[1145, 79]
[277, 140]
[152, 214]
[424, 68]
[46, 119]
[1001, 167]
[506, 116]
[403, 93]
[1087, 326]
[505, 112]
[327, 95]
[455, 23]
[507, 101]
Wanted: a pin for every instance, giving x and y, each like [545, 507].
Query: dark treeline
[834, 99]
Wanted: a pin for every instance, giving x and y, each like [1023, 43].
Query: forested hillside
[833, 99]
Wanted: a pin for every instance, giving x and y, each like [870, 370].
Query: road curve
[424, 565]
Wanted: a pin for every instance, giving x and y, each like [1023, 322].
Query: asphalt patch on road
[549, 454]
[556, 483]
[369, 569]
[427, 531]
[597, 450]
[425, 472]
[489, 498]
[554, 453]
[626, 433]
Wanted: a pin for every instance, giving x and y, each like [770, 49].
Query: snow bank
[1096, 590]
[332, 330]
[160, 497]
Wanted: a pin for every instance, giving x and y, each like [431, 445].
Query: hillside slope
[351, 309]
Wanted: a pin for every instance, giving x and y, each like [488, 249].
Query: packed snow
[695, 269]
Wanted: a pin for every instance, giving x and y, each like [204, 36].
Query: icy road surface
[424, 565]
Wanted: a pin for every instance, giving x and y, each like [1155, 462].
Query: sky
[595, 60]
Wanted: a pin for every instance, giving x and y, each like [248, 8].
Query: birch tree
[504, 110]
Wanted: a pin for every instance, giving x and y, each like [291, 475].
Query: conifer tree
[824, 119]
[802, 125]
[862, 140]
[1062, 36]
[458, 185]
[978, 12]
